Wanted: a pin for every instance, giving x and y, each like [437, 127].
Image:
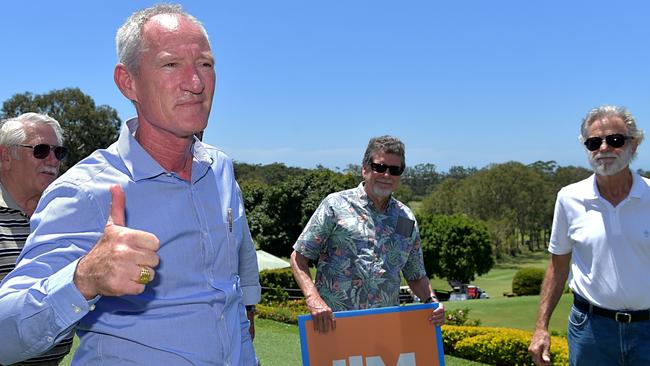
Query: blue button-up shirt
[193, 311]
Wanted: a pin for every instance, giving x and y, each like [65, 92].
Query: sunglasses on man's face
[615, 140]
[42, 151]
[381, 169]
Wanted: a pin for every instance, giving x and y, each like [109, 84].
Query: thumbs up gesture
[118, 262]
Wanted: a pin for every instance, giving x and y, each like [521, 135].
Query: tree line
[513, 200]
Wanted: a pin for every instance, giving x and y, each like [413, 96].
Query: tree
[512, 194]
[458, 172]
[420, 178]
[278, 213]
[86, 127]
[274, 173]
[442, 200]
[455, 247]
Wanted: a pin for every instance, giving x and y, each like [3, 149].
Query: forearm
[300, 268]
[421, 288]
[552, 288]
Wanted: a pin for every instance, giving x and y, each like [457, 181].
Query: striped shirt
[14, 229]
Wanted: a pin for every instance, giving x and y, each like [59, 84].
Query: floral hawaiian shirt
[360, 251]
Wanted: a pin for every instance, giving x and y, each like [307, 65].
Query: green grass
[499, 279]
[510, 312]
[514, 312]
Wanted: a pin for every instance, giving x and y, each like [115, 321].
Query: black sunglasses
[392, 169]
[42, 151]
[614, 140]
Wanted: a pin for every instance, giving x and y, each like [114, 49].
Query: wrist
[430, 299]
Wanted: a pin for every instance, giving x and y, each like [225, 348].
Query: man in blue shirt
[144, 246]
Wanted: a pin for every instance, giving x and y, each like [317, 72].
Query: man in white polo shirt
[601, 237]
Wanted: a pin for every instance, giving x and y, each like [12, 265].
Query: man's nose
[604, 146]
[51, 159]
[193, 81]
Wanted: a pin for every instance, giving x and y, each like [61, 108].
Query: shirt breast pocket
[234, 233]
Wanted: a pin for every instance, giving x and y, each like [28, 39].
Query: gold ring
[145, 276]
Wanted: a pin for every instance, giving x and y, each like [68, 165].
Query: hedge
[497, 346]
[528, 281]
[286, 312]
[277, 284]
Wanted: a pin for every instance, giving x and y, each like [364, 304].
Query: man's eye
[171, 64]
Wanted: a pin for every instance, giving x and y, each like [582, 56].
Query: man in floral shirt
[362, 238]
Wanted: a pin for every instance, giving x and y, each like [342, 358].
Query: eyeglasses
[392, 169]
[614, 140]
[42, 151]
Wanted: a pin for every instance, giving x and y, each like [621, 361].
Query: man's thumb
[118, 206]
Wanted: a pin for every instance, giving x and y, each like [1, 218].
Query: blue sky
[305, 83]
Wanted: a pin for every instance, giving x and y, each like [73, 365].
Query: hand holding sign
[115, 265]
[322, 314]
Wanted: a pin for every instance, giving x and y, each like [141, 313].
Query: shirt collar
[637, 190]
[7, 201]
[639, 187]
[142, 166]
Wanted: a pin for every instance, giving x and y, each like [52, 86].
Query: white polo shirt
[610, 246]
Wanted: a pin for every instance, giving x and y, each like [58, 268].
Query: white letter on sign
[405, 359]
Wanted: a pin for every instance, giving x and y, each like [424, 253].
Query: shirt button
[222, 317]
[92, 307]
[50, 339]
[76, 309]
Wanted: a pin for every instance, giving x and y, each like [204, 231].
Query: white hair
[13, 130]
[603, 111]
[128, 40]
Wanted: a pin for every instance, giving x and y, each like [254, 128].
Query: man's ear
[634, 147]
[125, 82]
[5, 157]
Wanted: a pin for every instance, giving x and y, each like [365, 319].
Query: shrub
[282, 277]
[274, 284]
[460, 317]
[497, 346]
[528, 281]
[286, 312]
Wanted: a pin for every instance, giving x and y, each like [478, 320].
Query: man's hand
[321, 314]
[540, 347]
[438, 316]
[251, 319]
[112, 267]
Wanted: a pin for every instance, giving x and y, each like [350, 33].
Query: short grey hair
[386, 144]
[13, 130]
[128, 40]
[603, 111]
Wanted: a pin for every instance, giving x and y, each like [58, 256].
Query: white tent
[269, 261]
